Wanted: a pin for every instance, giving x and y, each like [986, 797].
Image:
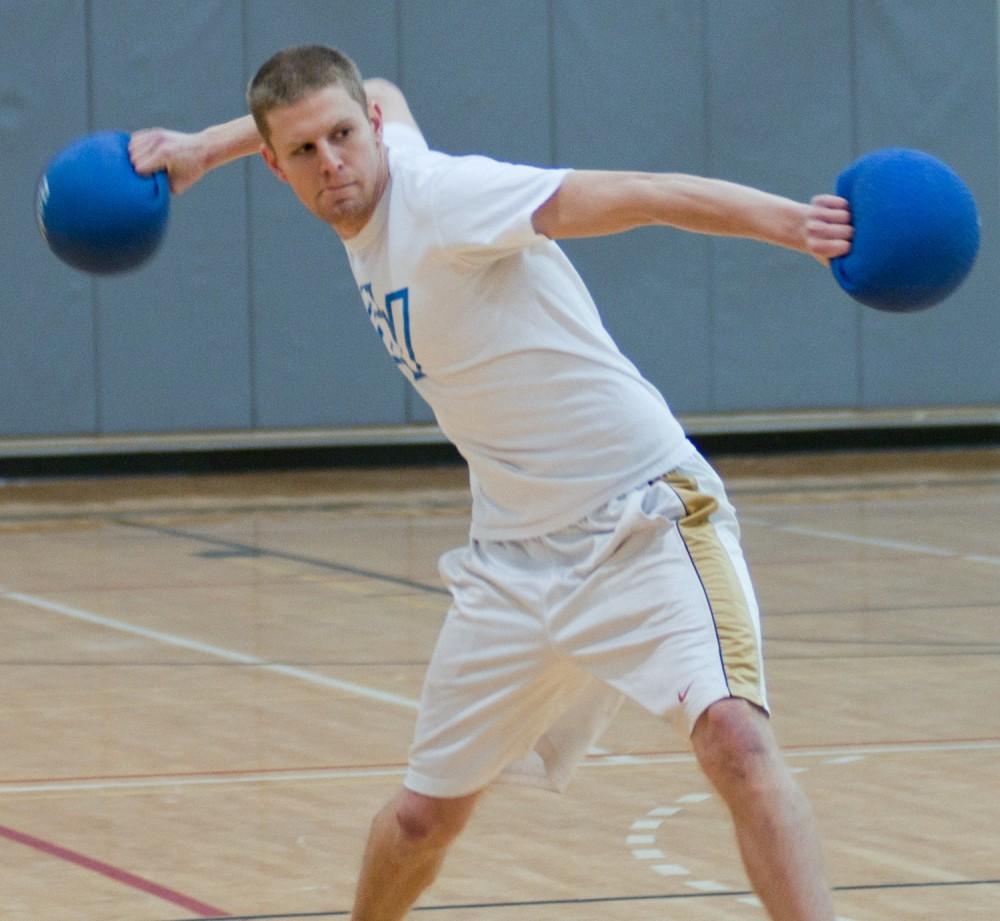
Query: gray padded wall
[316, 359]
[47, 352]
[173, 339]
[630, 94]
[779, 119]
[926, 78]
[249, 318]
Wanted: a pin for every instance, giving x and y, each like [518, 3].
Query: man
[604, 557]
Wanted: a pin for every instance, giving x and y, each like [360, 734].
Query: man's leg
[406, 847]
[774, 823]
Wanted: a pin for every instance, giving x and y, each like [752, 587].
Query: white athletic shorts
[648, 597]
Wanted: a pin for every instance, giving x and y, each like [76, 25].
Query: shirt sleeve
[483, 207]
[399, 136]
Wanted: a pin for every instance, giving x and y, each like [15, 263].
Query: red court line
[118, 875]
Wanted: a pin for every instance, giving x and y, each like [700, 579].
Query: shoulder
[470, 200]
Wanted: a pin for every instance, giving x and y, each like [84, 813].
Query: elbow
[390, 101]
[384, 92]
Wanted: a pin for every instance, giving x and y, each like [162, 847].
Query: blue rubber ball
[916, 230]
[95, 211]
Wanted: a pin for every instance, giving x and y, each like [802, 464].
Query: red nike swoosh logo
[682, 695]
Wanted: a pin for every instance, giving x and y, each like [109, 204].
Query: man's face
[329, 150]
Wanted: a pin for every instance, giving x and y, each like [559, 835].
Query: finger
[833, 247]
[138, 152]
[825, 250]
[830, 215]
[144, 150]
[148, 161]
[830, 201]
[142, 140]
[831, 209]
[144, 165]
[829, 230]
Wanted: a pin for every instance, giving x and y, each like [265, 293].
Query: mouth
[336, 189]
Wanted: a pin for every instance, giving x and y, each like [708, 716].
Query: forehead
[312, 116]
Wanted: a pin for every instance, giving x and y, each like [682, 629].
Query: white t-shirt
[497, 332]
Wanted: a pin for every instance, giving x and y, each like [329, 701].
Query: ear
[272, 161]
[376, 119]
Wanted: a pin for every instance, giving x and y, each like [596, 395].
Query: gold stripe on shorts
[734, 626]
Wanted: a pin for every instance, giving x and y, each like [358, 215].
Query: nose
[329, 157]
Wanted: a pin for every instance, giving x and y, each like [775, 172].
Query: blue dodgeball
[95, 211]
[916, 230]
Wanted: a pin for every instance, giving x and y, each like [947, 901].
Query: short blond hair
[285, 77]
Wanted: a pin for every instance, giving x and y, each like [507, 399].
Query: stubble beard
[349, 216]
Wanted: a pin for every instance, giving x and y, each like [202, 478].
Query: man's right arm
[187, 157]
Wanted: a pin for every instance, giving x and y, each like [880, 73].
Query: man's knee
[734, 743]
[431, 821]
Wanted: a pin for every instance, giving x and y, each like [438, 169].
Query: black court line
[772, 656]
[351, 505]
[243, 550]
[250, 550]
[873, 655]
[955, 645]
[936, 606]
[227, 548]
[733, 488]
[664, 897]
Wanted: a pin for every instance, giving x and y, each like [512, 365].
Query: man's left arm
[391, 103]
[593, 203]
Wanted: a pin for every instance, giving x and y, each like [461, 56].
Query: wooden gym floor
[208, 687]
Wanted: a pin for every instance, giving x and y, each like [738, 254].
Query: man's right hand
[184, 156]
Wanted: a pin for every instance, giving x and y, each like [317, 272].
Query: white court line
[883, 543]
[833, 751]
[152, 782]
[707, 885]
[693, 798]
[671, 869]
[894, 748]
[666, 810]
[646, 824]
[218, 652]
[71, 786]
